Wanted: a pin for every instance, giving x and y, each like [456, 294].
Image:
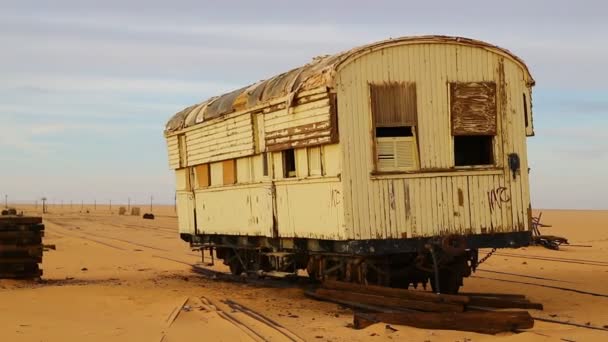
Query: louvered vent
[395, 154]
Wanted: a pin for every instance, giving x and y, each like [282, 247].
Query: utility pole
[6, 201]
[151, 198]
[110, 205]
[44, 205]
[129, 204]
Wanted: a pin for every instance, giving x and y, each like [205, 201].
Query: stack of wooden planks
[466, 312]
[20, 246]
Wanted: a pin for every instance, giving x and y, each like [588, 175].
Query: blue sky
[85, 88]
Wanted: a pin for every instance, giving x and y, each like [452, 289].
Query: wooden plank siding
[427, 203]
[173, 151]
[221, 140]
[309, 124]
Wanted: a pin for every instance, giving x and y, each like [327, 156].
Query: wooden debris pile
[466, 312]
[547, 241]
[21, 246]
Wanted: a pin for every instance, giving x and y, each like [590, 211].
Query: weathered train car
[388, 163]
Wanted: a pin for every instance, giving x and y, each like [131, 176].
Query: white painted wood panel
[216, 210]
[437, 205]
[310, 209]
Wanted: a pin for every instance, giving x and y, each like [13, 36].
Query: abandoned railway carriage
[391, 163]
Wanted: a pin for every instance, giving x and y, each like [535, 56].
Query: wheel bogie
[396, 270]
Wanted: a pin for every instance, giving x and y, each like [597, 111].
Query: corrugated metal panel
[220, 140]
[320, 72]
[473, 108]
[426, 204]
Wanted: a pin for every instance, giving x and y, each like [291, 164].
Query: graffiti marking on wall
[498, 196]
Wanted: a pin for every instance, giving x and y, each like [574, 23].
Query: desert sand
[122, 278]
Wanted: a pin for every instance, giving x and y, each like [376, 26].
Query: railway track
[233, 315]
[66, 227]
[555, 259]
[271, 282]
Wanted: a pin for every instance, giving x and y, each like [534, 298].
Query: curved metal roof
[319, 72]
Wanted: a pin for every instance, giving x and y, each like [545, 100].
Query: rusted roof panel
[320, 72]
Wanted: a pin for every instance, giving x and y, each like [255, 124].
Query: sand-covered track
[555, 259]
[127, 294]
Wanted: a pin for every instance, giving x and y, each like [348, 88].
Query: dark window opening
[472, 150]
[397, 131]
[289, 163]
[265, 164]
[526, 110]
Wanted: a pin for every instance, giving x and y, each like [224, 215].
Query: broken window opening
[397, 131]
[473, 150]
[265, 164]
[394, 112]
[289, 163]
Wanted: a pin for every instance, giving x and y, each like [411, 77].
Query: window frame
[413, 125]
[492, 134]
[289, 173]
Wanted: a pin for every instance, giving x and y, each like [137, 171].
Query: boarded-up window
[394, 112]
[203, 176]
[229, 170]
[473, 108]
[394, 104]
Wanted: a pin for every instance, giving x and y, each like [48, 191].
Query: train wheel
[234, 262]
[449, 282]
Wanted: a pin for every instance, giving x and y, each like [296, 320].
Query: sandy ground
[122, 278]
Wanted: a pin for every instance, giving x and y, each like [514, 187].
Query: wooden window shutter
[394, 104]
[473, 108]
[202, 175]
[229, 170]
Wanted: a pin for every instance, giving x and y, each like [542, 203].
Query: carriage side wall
[437, 198]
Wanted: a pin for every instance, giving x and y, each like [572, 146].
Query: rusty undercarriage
[441, 261]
